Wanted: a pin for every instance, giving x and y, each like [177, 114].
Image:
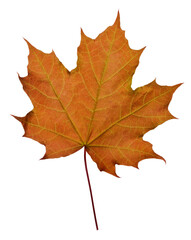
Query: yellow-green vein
[127, 115]
[57, 96]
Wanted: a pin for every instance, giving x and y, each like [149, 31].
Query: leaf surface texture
[94, 105]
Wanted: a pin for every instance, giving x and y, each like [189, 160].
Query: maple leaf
[94, 106]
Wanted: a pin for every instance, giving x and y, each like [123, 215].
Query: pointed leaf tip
[117, 20]
[83, 36]
[28, 43]
[82, 32]
[178, 85]
[30, 46]
[20, 119]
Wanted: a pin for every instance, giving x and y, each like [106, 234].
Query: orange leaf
[94, 106]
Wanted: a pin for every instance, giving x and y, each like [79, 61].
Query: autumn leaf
[94, 106]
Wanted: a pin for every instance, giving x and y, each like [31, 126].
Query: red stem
[85, 162]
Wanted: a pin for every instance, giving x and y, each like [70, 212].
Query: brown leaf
[94, 105]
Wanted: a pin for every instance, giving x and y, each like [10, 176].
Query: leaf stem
[94, 212]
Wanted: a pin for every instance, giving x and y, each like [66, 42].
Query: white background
[49, 200]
